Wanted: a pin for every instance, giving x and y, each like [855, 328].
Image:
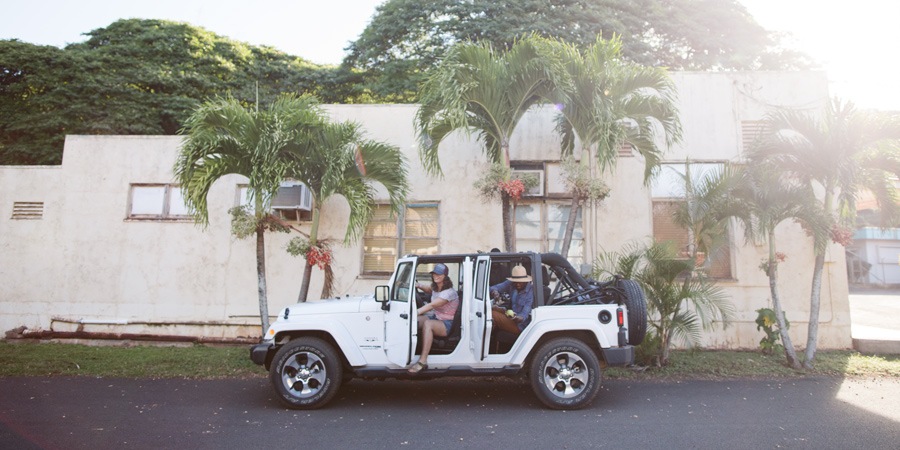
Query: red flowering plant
[501, 180]
[513, 188]
[779, 258]
[319, 255]
[841, 235]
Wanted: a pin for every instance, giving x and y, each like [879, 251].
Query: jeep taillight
[620, 317]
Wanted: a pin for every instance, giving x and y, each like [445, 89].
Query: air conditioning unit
[536, 191]
[293, 195]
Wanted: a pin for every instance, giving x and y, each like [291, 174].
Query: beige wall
[85, 261]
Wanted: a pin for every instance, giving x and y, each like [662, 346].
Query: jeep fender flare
[530, 337]
[345, 343]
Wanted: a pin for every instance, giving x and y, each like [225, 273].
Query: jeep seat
[443, 345]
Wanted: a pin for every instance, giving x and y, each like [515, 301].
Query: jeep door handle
[404, 316]
[478, 313]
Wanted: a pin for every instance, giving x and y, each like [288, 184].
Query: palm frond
[476, 88]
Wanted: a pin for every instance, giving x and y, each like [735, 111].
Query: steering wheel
[422, 297]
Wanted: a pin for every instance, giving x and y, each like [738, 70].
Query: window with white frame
[157, 202]
[541, 226]
[668, 192]
[413, 231]
[292, 202]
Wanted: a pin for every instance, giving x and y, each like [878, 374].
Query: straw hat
[519, 275]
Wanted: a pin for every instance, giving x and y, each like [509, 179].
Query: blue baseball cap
[440, 269]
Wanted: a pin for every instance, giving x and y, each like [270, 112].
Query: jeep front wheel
[565, 374]
[306, 373]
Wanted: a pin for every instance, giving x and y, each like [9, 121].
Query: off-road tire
[306, 373]
[565, 374]
[637, 311]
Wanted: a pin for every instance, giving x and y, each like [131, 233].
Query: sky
[855, 41]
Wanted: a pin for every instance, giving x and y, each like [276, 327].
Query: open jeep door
[480, 312]
[399, 320]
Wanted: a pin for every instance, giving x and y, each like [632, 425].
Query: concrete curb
[876, 347]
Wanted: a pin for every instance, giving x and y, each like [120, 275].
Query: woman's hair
[448, 284]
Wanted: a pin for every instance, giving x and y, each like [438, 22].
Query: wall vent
[28, 210]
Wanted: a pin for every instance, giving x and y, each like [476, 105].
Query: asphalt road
[99, 413]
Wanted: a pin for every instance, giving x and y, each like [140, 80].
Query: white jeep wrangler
[574, 325]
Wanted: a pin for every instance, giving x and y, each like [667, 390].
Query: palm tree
[843, 153]
[223, 137]
[611, 103]
[337, 160]
[761, 200]
[679, 308]
[476, 87]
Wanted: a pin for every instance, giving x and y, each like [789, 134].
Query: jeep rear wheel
[306, 373]
[565, 374]
[637, 311]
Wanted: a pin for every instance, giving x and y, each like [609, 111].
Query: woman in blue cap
[436, 317]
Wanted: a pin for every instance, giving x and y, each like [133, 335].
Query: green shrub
[766, 321]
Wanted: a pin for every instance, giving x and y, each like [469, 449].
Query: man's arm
[524, 302]
[501, 287]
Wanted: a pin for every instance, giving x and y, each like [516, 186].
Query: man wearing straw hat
[521, 292]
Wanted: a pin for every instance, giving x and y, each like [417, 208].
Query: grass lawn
[208, 362]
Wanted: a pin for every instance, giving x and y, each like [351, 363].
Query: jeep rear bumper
[618, 356]
[259, 352]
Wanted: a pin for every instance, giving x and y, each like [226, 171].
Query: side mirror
[382, 294]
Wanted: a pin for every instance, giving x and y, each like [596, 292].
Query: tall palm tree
[338, 160]
[223, 137]
[610, 103]
[761, 200]
[477, 88]
[843, 152]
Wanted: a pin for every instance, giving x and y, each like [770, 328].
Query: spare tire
[637, 310]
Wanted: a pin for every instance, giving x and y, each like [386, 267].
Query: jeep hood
[333, 306]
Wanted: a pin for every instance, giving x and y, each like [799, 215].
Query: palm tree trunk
[665, 344]
[814, 306]
[261, 277]
[304, 285]
[509, 240]
[815, 300]
[789, 351]
[509, 237]
[307, 268]
[570, 226]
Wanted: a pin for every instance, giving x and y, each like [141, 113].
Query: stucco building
[101, 243]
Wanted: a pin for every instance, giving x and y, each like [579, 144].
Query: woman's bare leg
[430, 329]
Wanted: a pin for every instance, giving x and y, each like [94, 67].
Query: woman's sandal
[417, 367]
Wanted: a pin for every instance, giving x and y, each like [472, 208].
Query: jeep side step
[452, 371]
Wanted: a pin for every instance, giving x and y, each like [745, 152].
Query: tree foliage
[406, 37]
[140, 76]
